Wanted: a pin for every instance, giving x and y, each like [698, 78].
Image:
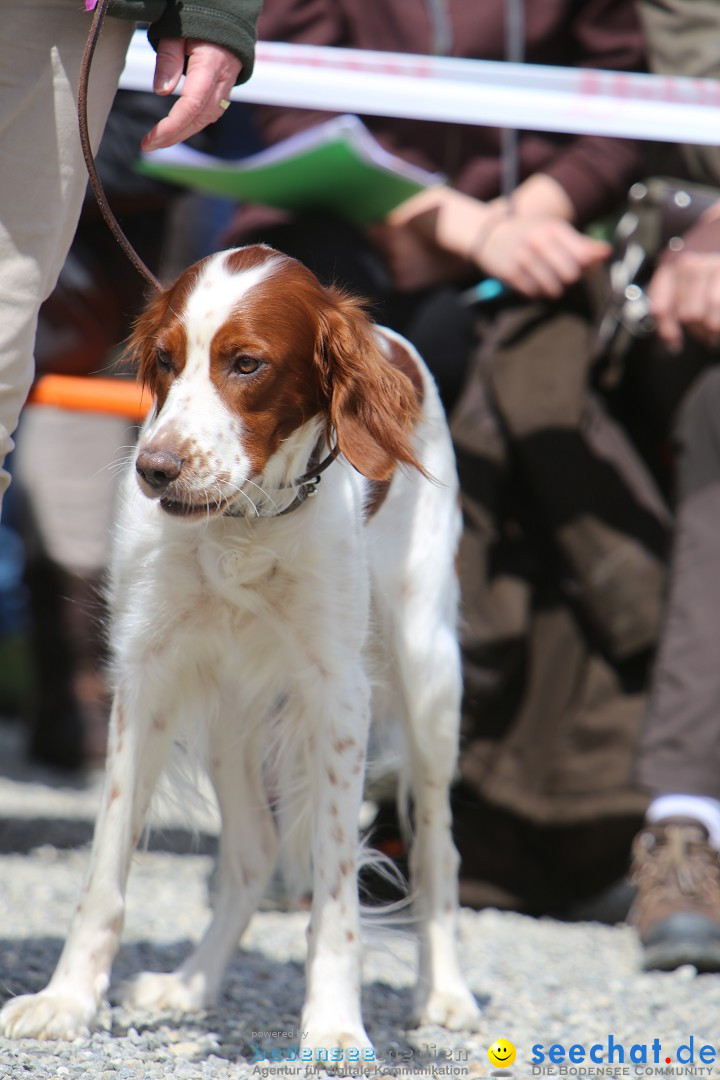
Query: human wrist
[497, 214]
[542, 196]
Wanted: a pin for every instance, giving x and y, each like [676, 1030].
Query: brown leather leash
[95, 182]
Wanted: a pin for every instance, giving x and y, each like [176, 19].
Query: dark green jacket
[231, 23]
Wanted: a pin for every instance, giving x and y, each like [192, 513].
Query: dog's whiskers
[237, 489]
[264, 493]
[121, 461]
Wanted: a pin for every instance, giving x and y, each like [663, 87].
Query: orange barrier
[121, 397]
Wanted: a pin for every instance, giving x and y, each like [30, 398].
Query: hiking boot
[677, 907]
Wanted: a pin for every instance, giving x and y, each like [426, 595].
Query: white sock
[698, 807]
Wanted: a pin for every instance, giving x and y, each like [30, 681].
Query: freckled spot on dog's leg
[349, 935]
[334, 812]
[117, 730]
[345, 868]
[115, 793]
[332, 775]
[359, 761]
[160, 723]
[407, 589]
[337, 834]
[318, 667]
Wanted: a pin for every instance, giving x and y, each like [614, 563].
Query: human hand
[414, 261]
[529, 244]
[684, 291]
[537, 256]
[212, 71]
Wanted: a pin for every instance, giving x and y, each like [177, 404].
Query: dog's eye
[163, 360]
[245, 365]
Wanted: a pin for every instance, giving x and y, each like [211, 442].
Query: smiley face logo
[501, 1053]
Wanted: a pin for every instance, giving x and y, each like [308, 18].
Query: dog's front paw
[157, 992]
[337, 1047]
[51, 1014]
[456, 1010]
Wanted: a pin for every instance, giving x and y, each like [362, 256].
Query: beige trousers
[42, 172]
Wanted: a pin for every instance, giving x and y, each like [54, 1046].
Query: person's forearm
[541, 196]
[448, 218]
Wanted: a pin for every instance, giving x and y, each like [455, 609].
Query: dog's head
[251, 361]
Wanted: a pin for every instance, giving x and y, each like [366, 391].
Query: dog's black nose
[158, 468]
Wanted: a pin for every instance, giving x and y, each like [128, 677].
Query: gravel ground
[541, 982]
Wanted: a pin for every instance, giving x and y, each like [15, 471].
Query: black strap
[307, 484]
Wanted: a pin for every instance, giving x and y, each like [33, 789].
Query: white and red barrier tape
[526, 96]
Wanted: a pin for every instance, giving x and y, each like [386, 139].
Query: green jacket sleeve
[232, 23]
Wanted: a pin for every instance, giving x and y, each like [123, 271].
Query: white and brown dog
[276, 623]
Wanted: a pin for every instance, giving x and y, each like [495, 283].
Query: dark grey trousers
[679, 749]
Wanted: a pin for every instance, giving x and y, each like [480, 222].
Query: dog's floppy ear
[162, 312]
[373, 406]
[142, 344]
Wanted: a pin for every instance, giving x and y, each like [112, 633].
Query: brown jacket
[595, 172]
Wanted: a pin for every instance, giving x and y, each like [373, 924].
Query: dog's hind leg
[416, 611]
[431, 692]
[248, 849]
[67, 1008]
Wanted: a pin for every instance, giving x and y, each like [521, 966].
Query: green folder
[337, 165]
